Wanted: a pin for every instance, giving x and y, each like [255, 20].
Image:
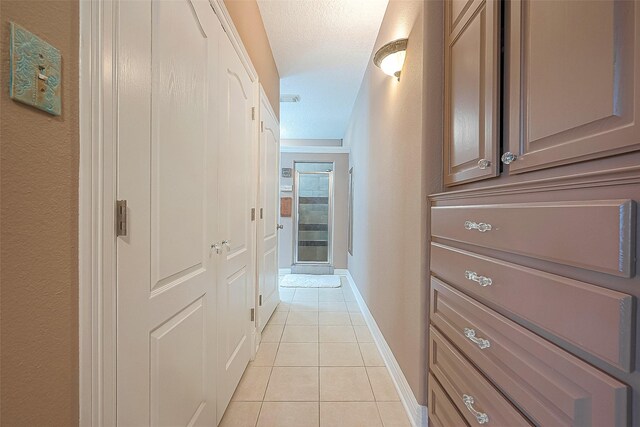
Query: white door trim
[97, 179]
[96, 258]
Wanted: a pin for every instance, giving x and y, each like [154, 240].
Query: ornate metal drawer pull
[482, 280]
[480, 226]
[480, 342]
[481, 417]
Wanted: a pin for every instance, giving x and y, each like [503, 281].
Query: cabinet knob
[508, 158]
[484, 163]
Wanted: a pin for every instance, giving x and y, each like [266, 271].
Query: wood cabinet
[570, 87]
[472, 65]
[533, 245]
[571, 80]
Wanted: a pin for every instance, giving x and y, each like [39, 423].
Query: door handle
[227, 244]
[280, 227]
[217, 247]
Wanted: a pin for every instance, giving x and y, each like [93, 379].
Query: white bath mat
[310, 281]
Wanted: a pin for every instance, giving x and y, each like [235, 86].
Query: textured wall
[248, 21]
[340, 214]
[38, 232]
[395, 151]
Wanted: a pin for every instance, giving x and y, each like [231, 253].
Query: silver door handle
[227, 244]
[217, 247]
[480, 342]
[481, 280]
[480, 226]
[481, 417]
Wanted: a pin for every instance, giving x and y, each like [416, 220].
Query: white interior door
[167, 172]
[236, 287]
[269, 196]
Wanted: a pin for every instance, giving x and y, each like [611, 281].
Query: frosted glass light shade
[392, 64]
[390, 57]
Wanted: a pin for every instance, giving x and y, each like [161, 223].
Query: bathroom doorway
[313, 221]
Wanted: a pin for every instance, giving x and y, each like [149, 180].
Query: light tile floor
[317, 366]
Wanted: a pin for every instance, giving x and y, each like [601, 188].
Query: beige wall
[38, 232]
[395, 152]
[340, 214]
[311, 142]
[248, 21]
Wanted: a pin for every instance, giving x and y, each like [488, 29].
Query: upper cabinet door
[472, 72]
[572, 81]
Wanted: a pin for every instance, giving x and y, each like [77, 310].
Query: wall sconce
[390, 57]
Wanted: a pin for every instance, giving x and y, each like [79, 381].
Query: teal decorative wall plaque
[35, 71]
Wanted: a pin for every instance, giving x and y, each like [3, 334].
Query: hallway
[317, 365]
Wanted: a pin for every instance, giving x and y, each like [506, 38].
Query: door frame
[296, 215]
[96, 193]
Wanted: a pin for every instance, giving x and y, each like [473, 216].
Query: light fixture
[390, 57]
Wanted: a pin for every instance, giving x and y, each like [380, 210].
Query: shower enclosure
[313, 232]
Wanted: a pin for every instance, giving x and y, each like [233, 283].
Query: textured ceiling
[321, 48]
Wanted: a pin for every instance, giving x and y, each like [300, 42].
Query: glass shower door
[313, 215]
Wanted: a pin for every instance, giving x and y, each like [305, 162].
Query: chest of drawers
[515, 338]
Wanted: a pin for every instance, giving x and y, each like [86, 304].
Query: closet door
[269, 195]
[237, 175]
[472, 68]
[573, 70]
[167, 140]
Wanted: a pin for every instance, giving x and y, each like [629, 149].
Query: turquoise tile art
[35, 68]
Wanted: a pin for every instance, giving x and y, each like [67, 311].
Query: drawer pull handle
[480, 342]
[481, 417]
[482, 280]
[480, 226]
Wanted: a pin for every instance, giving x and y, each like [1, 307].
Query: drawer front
[442, 411]
[550, 385]
[476, 399]
[557, 304]
[595, 235]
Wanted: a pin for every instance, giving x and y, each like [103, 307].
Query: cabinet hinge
[253, 113]
[260, 300]
[261, 212]
[253, 214]
[261, 126]
[253, 314]
[121, 217]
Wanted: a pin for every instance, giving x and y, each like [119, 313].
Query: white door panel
[269, 197]
[236, 174]
[167, 165]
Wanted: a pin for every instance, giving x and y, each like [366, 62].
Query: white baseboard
[417, 413]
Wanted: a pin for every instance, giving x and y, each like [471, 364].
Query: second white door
[268, 197]
[236, 174]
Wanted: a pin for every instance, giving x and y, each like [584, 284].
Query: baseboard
[417, 413]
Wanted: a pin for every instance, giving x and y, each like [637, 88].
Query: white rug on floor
[310, 281]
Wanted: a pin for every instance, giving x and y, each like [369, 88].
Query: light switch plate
[35, 68]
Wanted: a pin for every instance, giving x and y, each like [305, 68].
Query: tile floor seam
[371, 345]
